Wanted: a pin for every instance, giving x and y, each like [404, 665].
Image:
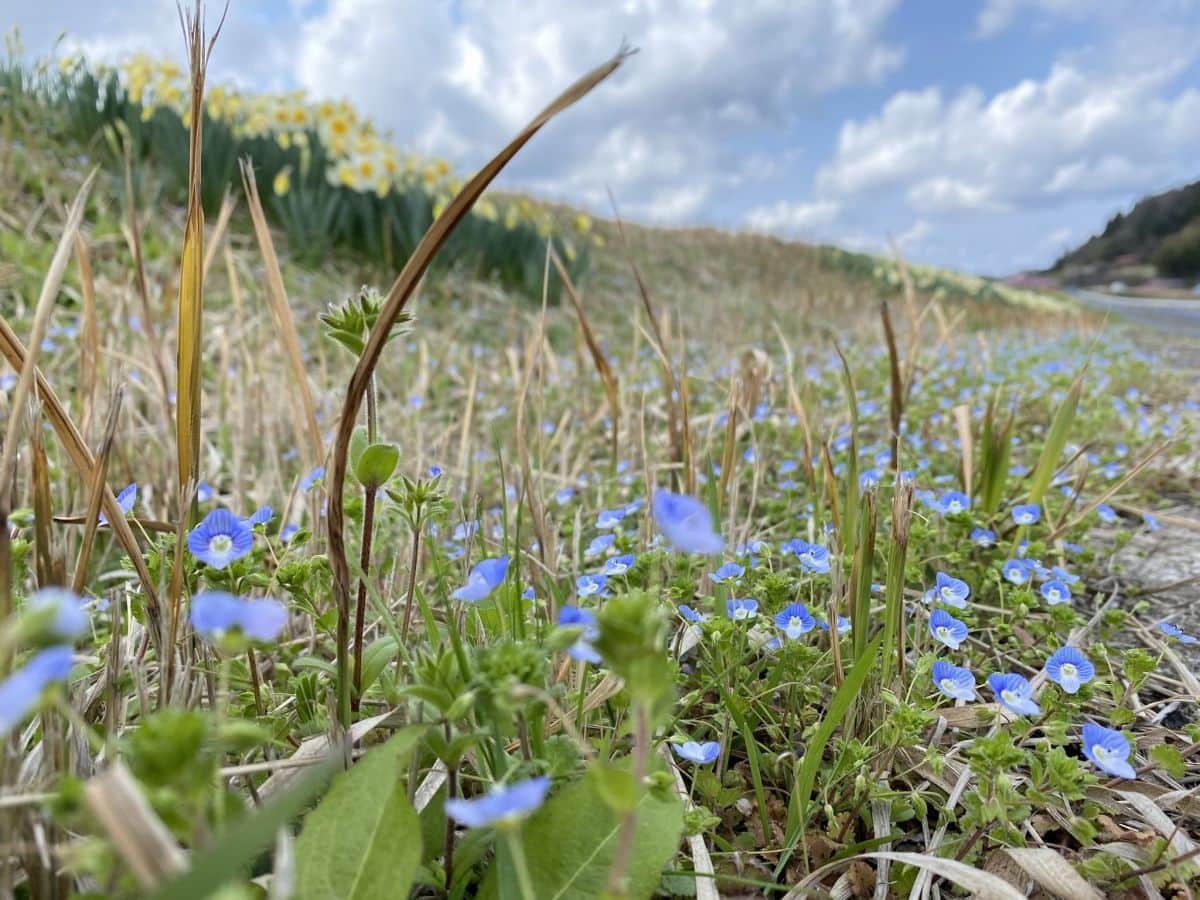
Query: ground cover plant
[321, 590]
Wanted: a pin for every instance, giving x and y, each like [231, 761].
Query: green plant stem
[517, 852]
[451, 793]
[641, 749]
[361, 612]
[412, 582]
[372, 413]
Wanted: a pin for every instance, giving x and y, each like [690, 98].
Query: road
[1178, 318]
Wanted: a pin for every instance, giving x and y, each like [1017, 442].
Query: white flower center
[1053, 595]
[1069, 671]
[1010, 697]
[1105, 755]
[943, 632]
[949, 686]
[222, 543]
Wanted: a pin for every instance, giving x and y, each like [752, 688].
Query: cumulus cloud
[792, 217]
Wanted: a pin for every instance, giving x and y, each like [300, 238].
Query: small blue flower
[741, 609]
[1176, 632]
[600, 545]
[204, 492]
[1014, 693]
[956, 682]
[1107, 514]
[609, 519]
[619, 565]
[695, 752]
[486, 575]
[728, 572]
[1055, 592]
[215, 613]
[843, 624]
[1108, 750]
[795, 620]
[1017, 571]
[1026, 513]
[260, 516]
[68, 618]
[307, 482]
[563, 495]
[691, 615]
[20, 692]
[464, 531]
[954, 502]
[951, 591]
[1064, 576]
[1069, 669]
[1151, 521]
[983, 537]
[686, 523]
[814, 558]
[436, 471]
[288, 532]
[947, 629]
[500, 806]
[125, 501]
[582, 649]
[590, 585]
[220, 538]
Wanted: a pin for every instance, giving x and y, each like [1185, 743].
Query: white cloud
[998, 15]
[913, 235]
[792, 217]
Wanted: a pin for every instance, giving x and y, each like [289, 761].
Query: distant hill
[1162, 233]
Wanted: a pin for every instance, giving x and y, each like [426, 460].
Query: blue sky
[987, 135]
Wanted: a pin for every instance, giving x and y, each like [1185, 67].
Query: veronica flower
[1108, 749]
[464, 531]
[1017, 571]
[66, 619]
[260, 516]
[564, 495]
[619, 565]
[1176, 632]
[956, 682]
[590, 585]
[843, 624]
[686, 522]
[599, 545]
[954, 502]
[503, 806]
[951, 591]
[741, 609]
[288, 531]
[1014, 693]
[795, 620]
[609, 519]
[582, 649]
[204, 492]
[1069, 669]
[1056, 592]
[691, 615]
[728, 572]
[1026, 513]
[700, 754]
[947, 629]
[982, 537]
[20, 692]
[814, 558]
[1151, 521]
[216, 613]
[220, 538]
[1107, 514]
[125, 501]
[1063, 575]
[307, 482]
[486, 575]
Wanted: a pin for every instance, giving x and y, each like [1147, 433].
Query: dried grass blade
[89, 334]
[304, 419]
[137, 833]
[397, 297]
[228, 204]
[49, 570]
[91, 519]
[1052, 873]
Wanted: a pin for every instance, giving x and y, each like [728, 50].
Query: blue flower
[125, 501]
[307, 482]
[983, 537]
[951, 591]
[1151, 521]
[67, 619]
[1055, 592]
[288, 531]
[1026, 513]
[741, 609]
[436, 471]
[610, 518]
[795, 620]
[619, 565]
[204, 492]
[220, 538]
[582, 649]
[563, 495]
[695, 752]
[690, 614]
[20, 692]
[1017, 571]
[954, 502]
[686, 522]
[814, 558]
[956, 682]
[1108, 749]
[215, 613]
[599, 545]
[1176, 632]
[260, 516]
[1063, 575]
[501, 805]
[843, 624]
[947, 629]
[1107, 514]
[590, 585]
[486, 575]
[727, 572]
[1069, 669]
[1014, 693]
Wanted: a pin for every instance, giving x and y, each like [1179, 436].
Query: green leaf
[376, 464]
[364, 840]
[237, 846]
[358, 446]
[376, 657]
[569, 845]
[1169, 759]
